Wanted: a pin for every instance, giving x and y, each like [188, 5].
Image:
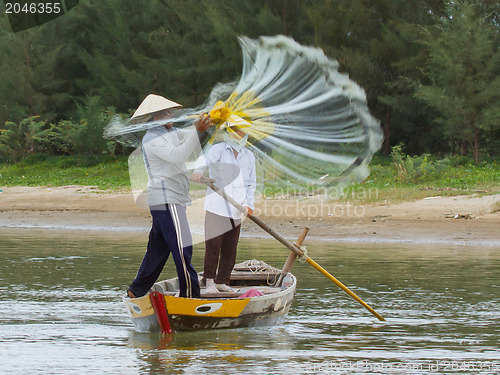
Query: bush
[17, 140]
[85, 138]
[417, 168]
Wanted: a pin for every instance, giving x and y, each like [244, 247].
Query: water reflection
[60, 292]
[225, 349]
[226, 340]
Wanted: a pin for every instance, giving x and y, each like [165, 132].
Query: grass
[104, 172]
[421, 177]
[446, 179]
[430, 177]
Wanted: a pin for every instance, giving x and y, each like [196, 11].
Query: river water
[61, 311]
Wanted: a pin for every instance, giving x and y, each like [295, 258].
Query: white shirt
[236, 176]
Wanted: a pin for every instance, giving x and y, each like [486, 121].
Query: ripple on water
[61, 311]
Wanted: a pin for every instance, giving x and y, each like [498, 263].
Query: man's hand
[249, 211]
[203, 123]
[196, 177]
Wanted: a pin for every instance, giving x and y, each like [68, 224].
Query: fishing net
[308, 125]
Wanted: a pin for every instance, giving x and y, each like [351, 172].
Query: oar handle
[207, 180]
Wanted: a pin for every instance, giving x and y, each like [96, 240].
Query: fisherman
[232, 165]
[165, 150]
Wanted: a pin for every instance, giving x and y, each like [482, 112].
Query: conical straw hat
[153, 103]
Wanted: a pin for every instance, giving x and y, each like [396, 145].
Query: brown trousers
[221, 240]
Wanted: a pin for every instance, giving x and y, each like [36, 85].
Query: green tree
[463, 83]
[376, 43]
[87, 138]
[30, 71]
[16, 64]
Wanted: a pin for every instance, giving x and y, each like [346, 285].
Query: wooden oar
[296, 249]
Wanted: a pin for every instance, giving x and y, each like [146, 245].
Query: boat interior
[245, 276]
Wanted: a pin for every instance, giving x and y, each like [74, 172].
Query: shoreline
[459, 220]
[264, 236]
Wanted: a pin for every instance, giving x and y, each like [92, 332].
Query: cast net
[310, 124]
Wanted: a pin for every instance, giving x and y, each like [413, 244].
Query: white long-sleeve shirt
[165, 152]
[236, 176]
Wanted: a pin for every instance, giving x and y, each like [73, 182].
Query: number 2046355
[32, 8]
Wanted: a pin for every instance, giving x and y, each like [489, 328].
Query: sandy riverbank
[465, 220]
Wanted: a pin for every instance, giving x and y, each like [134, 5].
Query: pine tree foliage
[462, 70]
[376, 42]
[122, 50]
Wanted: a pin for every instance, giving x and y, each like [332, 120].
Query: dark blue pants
[169, 235]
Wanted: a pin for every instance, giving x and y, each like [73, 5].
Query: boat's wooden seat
[241, 279]
[220, 295]
[265, 290]
[253, 275]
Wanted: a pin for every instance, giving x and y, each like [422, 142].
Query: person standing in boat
[232, 165]
[165, 151]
